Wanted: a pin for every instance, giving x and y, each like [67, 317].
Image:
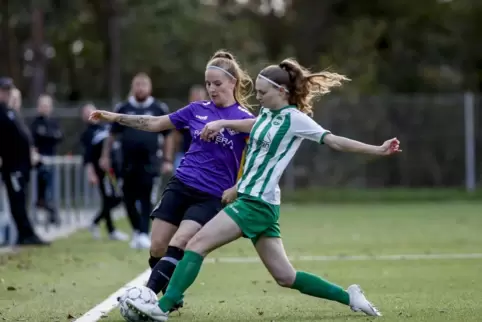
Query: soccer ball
[135, 293]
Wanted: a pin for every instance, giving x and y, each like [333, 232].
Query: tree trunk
[39, 59]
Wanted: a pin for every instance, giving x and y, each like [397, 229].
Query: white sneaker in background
[95, 231]
[134, 241]
[359, 303]
[144, 242]
[119, 235]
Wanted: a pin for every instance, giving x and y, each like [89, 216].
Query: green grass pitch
[75, 274]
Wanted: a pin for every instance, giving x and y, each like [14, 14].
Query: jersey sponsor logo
[278, 120]
[220, 139]
[202, 118]
[234, 209]
[263, 144]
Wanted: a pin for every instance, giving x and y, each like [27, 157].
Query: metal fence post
[67, 172]
[78, 189]
[34, 214]
[470, 173]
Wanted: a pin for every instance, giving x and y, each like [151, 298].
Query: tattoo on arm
[137, 121]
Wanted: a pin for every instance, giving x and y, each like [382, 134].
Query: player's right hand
[99, 115]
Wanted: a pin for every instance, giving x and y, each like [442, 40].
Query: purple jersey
[211, 167]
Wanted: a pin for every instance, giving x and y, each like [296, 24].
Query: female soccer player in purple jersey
[285, 92]
[208, 172]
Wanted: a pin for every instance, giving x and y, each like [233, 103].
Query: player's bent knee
[285, 280]
[180, 241]
[158, 248]
[186, 231]
[198, 244]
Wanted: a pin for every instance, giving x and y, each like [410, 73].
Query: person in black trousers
[46, 136]
[140, 157]
[17, 156]
[92, 139]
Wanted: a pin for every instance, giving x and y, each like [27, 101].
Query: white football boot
[148, 310]
[359, 303]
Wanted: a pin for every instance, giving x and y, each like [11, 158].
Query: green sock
[313, 285]
[184, 275]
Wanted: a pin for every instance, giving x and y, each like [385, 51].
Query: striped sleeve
[305, 127]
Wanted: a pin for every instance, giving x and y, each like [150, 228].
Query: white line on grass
[110, 303]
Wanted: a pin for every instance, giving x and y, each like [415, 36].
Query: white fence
[72, 197]
[76, 200]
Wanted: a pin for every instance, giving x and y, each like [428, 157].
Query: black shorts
[181, 202]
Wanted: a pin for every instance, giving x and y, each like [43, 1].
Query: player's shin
[313, 285]
[163, 269]
[184, 275]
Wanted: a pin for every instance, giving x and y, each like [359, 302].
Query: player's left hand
[167, 167]
[389, 147]
[211, 129]
[229, 195]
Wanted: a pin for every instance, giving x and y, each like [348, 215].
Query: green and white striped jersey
[274, 140]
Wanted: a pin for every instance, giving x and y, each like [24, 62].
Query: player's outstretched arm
[343, 144]
[141, 122]
[212, 129]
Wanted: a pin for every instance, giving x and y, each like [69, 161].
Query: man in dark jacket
[141, 161]
[17, 156]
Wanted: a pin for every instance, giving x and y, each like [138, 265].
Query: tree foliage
[384, 46]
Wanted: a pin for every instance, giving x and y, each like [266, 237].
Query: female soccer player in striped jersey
[285, 92]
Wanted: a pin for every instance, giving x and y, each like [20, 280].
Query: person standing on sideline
[92, 139]
[182, 138]
[140, 159]
[46, 136]
[17, 155]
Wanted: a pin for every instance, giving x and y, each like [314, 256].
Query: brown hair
[244, 83]
[302, 85]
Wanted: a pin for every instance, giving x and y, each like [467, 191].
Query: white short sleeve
[305, 127]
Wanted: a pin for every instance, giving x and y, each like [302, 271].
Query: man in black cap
[17, 158]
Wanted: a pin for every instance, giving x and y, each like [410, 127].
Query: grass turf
[75, 274]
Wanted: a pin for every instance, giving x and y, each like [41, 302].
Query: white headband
[273, 82]
[221, 69]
